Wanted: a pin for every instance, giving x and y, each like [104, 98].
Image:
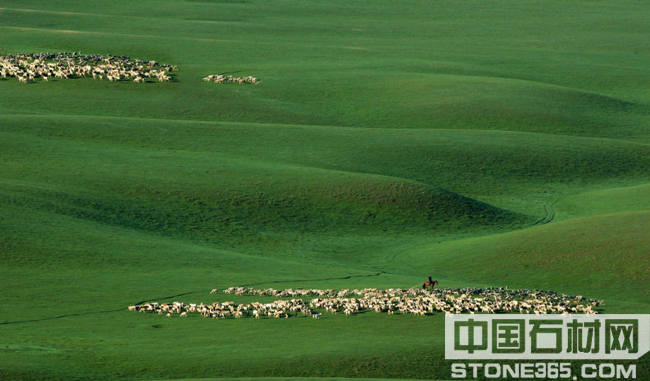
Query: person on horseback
[430, 284]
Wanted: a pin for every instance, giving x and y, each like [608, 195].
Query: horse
[430, 284]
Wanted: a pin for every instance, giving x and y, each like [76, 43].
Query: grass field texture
[487, 144]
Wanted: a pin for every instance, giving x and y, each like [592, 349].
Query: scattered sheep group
[393, 300]
[29, 67]
[219, 78]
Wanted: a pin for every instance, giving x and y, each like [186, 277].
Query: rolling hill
[500, 144]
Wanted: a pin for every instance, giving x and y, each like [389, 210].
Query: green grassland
[501, 143]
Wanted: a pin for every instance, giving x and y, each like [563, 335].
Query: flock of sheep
[30, 67]
[393, 300]
[219, 78]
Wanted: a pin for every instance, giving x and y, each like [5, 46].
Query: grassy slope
[401, 141]
[605, 201]
[601, 256]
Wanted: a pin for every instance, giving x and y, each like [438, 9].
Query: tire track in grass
[311, 279]
[549, 214]
[177, 295]
[259, 283]
[59, 317]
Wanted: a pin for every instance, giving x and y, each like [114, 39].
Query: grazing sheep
[409, 301]
[73, 65]
[219, 78]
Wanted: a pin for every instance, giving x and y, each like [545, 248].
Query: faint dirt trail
[177, 295]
